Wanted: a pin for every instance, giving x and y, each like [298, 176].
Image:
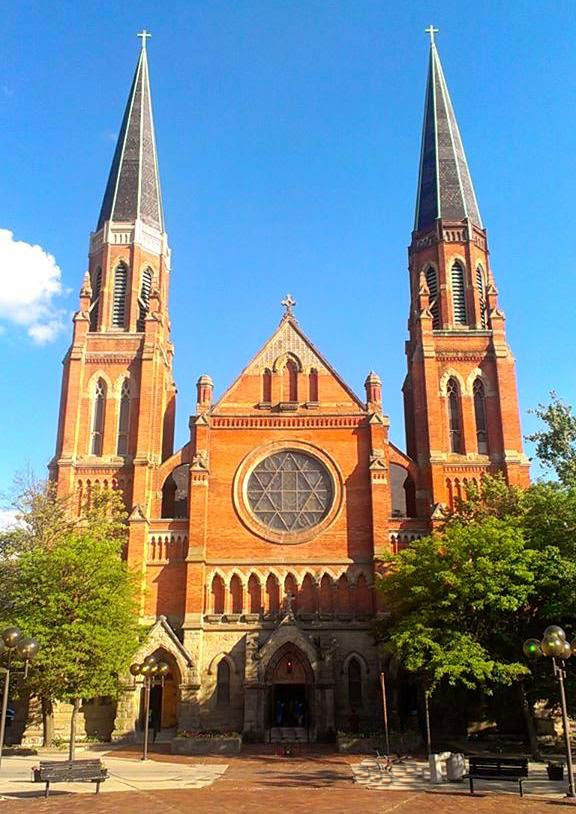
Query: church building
[258, 541]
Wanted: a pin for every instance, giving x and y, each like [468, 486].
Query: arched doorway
[290, 681]
[164, 697]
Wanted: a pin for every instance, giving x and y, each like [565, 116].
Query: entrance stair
[288, 734]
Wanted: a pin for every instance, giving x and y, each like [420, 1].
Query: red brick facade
[208, 564]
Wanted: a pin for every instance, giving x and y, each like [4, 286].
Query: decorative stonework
[286, 341]
[200, 461]
[244, 498]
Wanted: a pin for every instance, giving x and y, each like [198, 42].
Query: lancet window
[458, 294]
[96, 284]
[124, 419]
[480, 415]
[98, 416]
[432, 283]
[119, 300]
[454, 415]
[144, 298]
[481, 288]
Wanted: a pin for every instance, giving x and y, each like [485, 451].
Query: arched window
[363, 596]
[458, 294]
[290, 381]
[98, 416]
[343, 594]
[124, 419]
[254, 594]
[236, 592]
[144, 298]
[218, 593]
[175, 493]
[454, 417]
[313, 385]
[481, 287]
[272, 594]
[96, 284]
[480, 414]
[267, 386]
[432, 283]
[223, 684]
[308, 595]
[119, 301]
[291, 589]
[326, 594]
[354, 684]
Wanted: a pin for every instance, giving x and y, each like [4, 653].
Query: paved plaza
[262, 781]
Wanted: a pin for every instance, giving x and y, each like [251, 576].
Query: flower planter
[223, 745]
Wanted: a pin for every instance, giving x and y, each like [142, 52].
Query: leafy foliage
[72, 591]
[556, 445]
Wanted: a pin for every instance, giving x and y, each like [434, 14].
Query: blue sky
[288, 135]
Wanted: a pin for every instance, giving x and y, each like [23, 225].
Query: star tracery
[290, 491]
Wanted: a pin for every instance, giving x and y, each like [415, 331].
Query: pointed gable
[133, 188]
[264, 383]
[444, 187]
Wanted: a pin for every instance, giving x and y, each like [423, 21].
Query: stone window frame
[242, 506]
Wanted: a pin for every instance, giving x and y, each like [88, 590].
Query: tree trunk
[529, 722]
[47, 721]
[75, 709]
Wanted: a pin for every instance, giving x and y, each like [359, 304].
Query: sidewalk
[125, 774]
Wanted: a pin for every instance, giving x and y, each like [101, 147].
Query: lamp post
[152, 672]
[12, 643]
[555, 646]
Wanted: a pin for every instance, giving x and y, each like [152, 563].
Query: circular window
[290, 491]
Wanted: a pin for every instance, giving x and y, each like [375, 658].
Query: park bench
[66, 771]
[497, 768]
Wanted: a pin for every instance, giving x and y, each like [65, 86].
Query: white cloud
[31, 284]
[7, 519]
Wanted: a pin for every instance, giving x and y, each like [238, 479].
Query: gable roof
[289, 339]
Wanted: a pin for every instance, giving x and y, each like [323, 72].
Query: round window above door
[287, 493]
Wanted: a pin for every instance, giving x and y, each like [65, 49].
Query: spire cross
[431, 30]
[144, 35]
[288, 304]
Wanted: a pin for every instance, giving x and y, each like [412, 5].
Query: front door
[289, 705]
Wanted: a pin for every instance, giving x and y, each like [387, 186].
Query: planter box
[207, 746]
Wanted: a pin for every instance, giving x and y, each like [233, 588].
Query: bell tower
[117, 403]
[460, 396]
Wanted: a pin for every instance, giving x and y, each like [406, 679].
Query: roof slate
[444, 186]
[133, 188]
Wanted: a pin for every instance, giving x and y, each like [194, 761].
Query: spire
[444, 186]
[133, 188]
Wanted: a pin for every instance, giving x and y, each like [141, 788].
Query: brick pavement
[265, 782]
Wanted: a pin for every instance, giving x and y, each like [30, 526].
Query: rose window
[290, 491]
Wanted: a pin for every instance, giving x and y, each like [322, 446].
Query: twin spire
[133, 188]
[444, 186]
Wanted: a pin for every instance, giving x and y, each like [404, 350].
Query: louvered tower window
[480, 415]
[144, 298]
[124, 419]
[432, 283]
[96, 284]
[481, 287]
[98, 415]
[119, 301]
[454, 415]
[458, 294]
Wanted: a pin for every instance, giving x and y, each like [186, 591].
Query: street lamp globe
[532, 649]
[11, 637]
[554, 632]
[163, 668]
[135, 669]
[27, 648]
[553, 646]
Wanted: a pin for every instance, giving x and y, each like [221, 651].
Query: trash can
[455, 767]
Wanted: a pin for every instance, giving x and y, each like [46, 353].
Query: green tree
[556, 445]
[74, 593]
